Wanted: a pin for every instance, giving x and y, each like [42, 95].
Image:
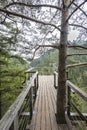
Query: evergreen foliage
[12, 68]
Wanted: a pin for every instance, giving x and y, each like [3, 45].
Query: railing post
[35, 88]
[31, 102]
[16, 122]
[14, 125]
[37, 82]
[68, 100]
[54, 80]
[68, 97]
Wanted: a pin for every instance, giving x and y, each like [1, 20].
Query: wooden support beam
[31, 102]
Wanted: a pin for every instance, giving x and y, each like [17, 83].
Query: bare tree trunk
[61, 92]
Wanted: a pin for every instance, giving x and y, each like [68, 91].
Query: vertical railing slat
[31, 102]
[68, 100]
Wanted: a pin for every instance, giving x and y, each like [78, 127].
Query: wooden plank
[38, 118]
[45, 118]
[52, 105]
[48, 119]
[43, 109]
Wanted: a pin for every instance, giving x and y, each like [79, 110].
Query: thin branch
[76, 10]
[28, 18]
[78, 64]
[77, 46]
[44, 38]
[53, 46]
[39, 46]
[71, 3]
[63, 3]
[81, 9]
[78, 26]
[77, 54]
[35, 52]
[30, 5]
[4, 19]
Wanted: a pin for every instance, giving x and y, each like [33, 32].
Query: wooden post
[35, 88]
[37, 82]
[16, 122]
[54, 80]
[68, 100]
[14, 125]
[31, 102]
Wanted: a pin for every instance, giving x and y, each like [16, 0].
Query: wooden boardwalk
[45, 107]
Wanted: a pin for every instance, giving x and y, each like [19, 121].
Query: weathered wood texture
[9, 120]
[45, 107]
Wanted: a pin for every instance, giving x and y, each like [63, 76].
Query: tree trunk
[61, 92]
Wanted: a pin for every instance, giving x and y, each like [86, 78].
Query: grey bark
[61, 92]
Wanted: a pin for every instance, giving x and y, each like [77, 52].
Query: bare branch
[28, 18]
[77, 54]
[78, 7]
[3, 19]
[78, 26]
[37, 48]
[35, 52]
[77, 46]
[35, 6]
[71, 3]
[78, 64]
[53, 46]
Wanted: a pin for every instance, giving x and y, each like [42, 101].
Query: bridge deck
[45, 107]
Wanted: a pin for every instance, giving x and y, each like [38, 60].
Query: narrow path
[45, 107]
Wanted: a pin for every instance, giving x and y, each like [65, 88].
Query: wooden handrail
[77, 90]
[11, 114]
[73, 87]
[70, 87]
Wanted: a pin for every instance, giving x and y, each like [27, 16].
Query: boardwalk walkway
[45, 107]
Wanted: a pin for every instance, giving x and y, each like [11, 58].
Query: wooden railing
[71, 88]
[20, 113]
[55, 79]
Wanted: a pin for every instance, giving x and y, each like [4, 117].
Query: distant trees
[46, 22]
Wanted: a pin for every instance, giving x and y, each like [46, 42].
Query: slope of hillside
[46, 63]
